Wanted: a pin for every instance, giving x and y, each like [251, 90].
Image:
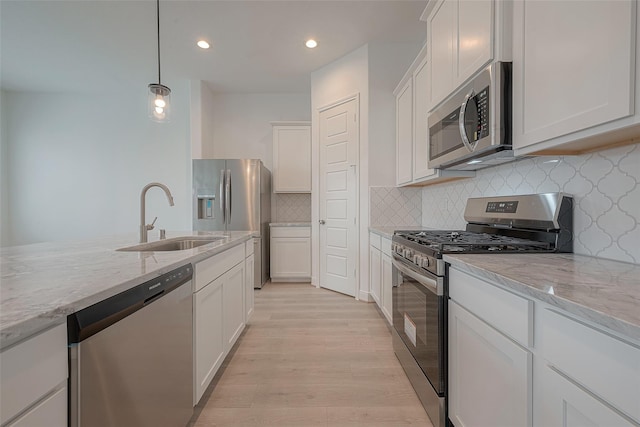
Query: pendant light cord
[158, 22]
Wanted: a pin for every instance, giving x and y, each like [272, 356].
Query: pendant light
[159, 103]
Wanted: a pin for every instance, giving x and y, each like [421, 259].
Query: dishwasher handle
[99, 316]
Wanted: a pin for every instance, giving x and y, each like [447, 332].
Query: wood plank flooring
[311, 357]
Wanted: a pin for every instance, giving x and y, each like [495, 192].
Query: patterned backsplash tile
[390, 206]
[292, 207]
[605, 186]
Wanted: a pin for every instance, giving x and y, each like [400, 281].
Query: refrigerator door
[208, 195]
[244, 195]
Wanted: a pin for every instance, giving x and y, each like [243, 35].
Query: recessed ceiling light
[311, 43]
[203, 44]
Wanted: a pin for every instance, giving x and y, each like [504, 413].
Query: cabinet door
[475, 37]
[565, 404]
[233, 296]
[489, 375]
[573, 66]
[292, 159]
[51, 412]
[421, 131]
[442, 27]
[374, 274]
[404, 134]
[208, 336]
[249, 292]
[290, 257]
[387, 285]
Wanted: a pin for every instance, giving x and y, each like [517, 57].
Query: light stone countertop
[40, 284]
[602, 291]
[290, 224]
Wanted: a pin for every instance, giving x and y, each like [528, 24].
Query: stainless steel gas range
[504, 224]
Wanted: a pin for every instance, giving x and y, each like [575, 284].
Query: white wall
[4, 177]
[77, 164]
[346, 77]
[237, 126]
[388, 62]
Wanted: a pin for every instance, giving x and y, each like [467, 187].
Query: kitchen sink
[174, 244]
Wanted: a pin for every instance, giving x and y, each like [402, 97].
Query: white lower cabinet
[573, 374]
[563, 403]
[489, 375]
[290, 254]
[380, 273]
[375, 274]
[208, 335]
[387, 286]
[233, 290]
[33, 381]
[219, 305]
[249, 296]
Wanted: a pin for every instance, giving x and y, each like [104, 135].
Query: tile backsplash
[390, 206]
[291, 207]
[605, 186]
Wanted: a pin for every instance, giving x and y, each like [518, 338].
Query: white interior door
[338, 128]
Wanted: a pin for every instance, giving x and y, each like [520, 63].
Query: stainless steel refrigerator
[235, 195]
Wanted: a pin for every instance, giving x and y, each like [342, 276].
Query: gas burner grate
[458, 241]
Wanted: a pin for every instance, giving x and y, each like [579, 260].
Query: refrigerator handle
[223, 187]
[228, 201]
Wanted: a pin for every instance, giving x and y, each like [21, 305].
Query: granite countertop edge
[583, 296]
[27, 307]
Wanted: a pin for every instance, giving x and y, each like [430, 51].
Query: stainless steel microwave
[472, 129]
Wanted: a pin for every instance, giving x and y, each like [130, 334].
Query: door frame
[361, 262]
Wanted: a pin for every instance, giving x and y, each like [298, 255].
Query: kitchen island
[40, 284]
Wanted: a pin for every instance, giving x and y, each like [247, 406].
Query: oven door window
[418, 317]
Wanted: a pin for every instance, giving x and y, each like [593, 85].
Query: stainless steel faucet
[146, 227]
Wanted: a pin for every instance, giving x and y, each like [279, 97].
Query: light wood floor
[311, 357]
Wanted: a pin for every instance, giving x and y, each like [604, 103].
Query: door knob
[321, 222]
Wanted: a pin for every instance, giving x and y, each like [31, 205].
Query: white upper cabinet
[291, 157]
[412, 132]
[474, 41]
[460, 43]
[404, 133]
[573, 69]
[420, 130]
[442, 29]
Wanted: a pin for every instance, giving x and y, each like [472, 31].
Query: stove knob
[417, 260]
[426, 261]
[408, 253]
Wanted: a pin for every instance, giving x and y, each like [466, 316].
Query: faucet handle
[150, 226]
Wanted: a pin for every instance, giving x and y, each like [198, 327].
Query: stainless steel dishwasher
[131, 356]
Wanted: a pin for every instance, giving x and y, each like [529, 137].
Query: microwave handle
[463, 131]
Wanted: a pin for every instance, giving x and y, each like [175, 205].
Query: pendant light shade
[159, 102]
[159, 97]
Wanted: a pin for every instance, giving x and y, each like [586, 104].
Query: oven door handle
[429, 283]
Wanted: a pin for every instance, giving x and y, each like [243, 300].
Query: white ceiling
[257, 46]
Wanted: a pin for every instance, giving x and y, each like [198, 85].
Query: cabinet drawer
[507, 312]
[385, 246]
[51, 412]
[375, 240]
[248, 248]
[290, 231]
[606, 366]
[30, 370]
[212, 268]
